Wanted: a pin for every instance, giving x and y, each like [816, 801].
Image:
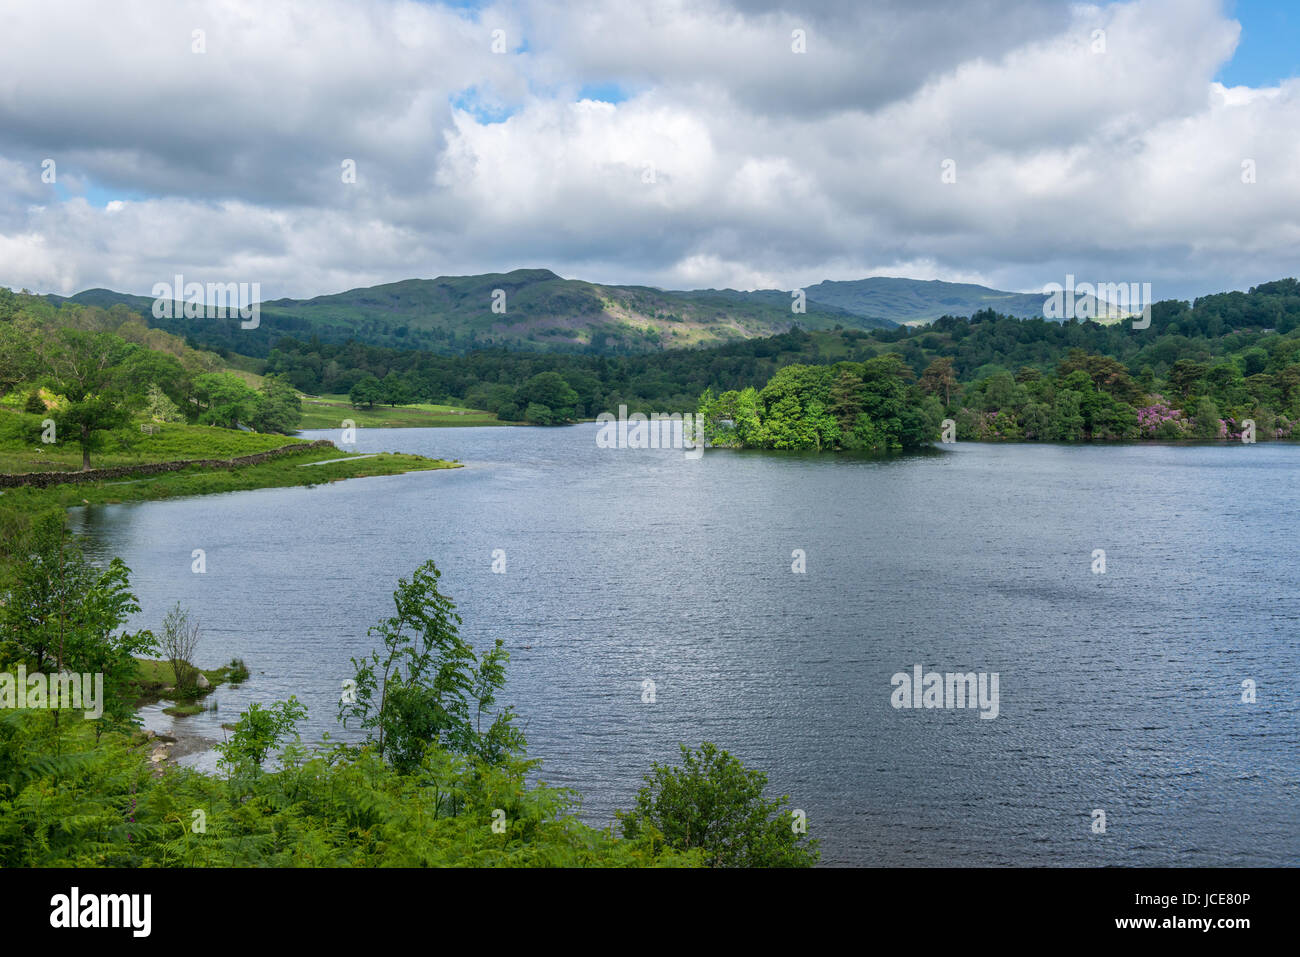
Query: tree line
[1254, 331]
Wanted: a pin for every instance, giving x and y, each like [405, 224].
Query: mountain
[541, 311]
[913, 301]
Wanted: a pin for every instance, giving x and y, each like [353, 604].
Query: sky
[680, 143]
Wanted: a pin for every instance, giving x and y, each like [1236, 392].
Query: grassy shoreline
[174, 442]
[284, 472]
[156, 681]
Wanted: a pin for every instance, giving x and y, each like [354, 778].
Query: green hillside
[542, 312]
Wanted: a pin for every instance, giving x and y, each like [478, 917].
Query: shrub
[715, 804]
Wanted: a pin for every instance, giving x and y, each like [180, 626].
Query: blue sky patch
[1269, 48]
[605, 92]
[484, 111]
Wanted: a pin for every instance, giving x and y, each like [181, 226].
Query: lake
[1118, 691]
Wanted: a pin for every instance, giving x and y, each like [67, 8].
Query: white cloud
[769, 168]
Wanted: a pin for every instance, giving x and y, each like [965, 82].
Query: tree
[940, 379]
[1185, 375]
[1036, 421]
[1206, 416]
[257, 731]
[88, 419]
[716, 804]
[18, 356]
[999, 392]
[61, 611]
[145, 371]
[366, 392]
[224, 399]
[793, 409]
[427, 686]
[278, 407]
[1288, 383]
[539, 414]
[731, 418]
[1067, 421]
[84, 367]
[178, 643]
[551, 390]
[846, 400]
[1226, 384]
[160, 408]
[885, 395]
[395, 391]
[1106, 374]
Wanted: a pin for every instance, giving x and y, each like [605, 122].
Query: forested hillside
[1250, 337]
[1198, 371]
[1224, 368]
[532, 310]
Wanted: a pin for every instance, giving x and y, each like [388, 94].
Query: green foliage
[793, 410]
[66, 802]
[237, 671]
[257, 731]
[160, 408]
[367, 391]
[1206, 418]
[88, 418]
[427, 685]
[714, 804]
[278, 407]
[547, 399]
[395, 391]
[440, 790]
[224, 399]
[866, 406]
[61, 613]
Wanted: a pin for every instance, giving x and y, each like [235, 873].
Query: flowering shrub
[1161, 421]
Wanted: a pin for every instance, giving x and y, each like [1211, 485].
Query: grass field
[21, 448]
[329, 411]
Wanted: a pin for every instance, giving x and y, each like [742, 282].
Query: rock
[159, 756]
[203, 682]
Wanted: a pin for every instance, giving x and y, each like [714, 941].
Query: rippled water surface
[1118, 691]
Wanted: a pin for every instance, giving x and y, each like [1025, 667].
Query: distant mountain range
[453, 314]
[917, 301]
